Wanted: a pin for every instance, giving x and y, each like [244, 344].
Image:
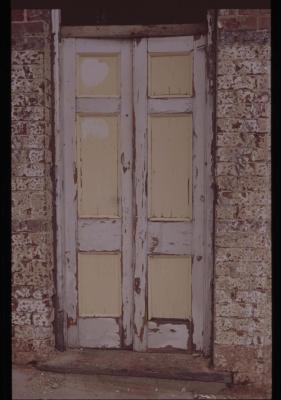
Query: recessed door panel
[97, 153]
[170, 166]
[169, 287]
[98, 75]
[170, 75]
[99, 285]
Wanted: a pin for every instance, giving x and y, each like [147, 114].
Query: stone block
[27, 57]
[33, 305]
[244, 268]
[226, 212]
[257, 198]
[248, 254]
[34, 184]
[239, 51]
[241, 155]
[28, 86]
[239, 125]
[243, 139]
[30, 170]
[240, 358]
[243, 110]
[27, 142]
[35, 113]
[43, 332]
[240, 240]
[242, 226]
[33, 225]
[29, 205]
[21, 319]
[27, 100]
[42, 319]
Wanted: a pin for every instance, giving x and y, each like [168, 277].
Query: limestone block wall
[32, 184]
[242, 298]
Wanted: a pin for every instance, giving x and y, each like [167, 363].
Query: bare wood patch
[132, 31]
[169, 334]
[99, 332]
[99, 234]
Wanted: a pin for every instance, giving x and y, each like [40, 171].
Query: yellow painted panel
[170, 167]
[169, 287]
[98, 75]
[99, 284]
[170, 75]
[97, 154]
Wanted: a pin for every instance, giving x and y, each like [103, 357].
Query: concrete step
[128, 363]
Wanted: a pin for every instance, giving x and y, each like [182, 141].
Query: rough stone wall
[32, 210]
[242, 324]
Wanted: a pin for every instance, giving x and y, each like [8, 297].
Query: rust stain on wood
[71, 322]
[155, 242]
[137, 285]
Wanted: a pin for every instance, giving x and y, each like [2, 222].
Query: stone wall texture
[242, 298]
[32, 187]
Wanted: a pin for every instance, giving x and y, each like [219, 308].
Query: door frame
[202, 341]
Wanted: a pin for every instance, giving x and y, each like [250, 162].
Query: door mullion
[70, 200]
[140, 193]
[125, 160]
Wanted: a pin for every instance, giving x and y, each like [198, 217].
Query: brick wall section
[32, 211]
[242, 300]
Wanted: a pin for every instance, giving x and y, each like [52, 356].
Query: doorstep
[135, 364]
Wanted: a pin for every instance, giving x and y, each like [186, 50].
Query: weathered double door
[134, 192]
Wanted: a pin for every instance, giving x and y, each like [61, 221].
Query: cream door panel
[170, 167]
[99, 285]
[98, 75]
[170, 75]
[97, 163]
[169, 287]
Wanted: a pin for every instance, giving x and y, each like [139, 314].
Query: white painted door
[137, 250]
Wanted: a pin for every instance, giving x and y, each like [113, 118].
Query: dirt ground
[30, 383]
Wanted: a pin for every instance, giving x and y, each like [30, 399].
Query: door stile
[70, 195]
[126, 172]
[140, 192]
[199, 217]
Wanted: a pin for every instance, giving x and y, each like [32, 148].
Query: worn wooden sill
[135, 364]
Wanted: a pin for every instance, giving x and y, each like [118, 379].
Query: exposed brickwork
[242, 340]
[32, 230]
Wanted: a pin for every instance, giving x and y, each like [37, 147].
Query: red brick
[264, 22]
[38, 15]
[29, 28]
[17, 15]
[248, 11]
[239, 23]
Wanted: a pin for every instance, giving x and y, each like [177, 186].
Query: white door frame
[202, 335]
